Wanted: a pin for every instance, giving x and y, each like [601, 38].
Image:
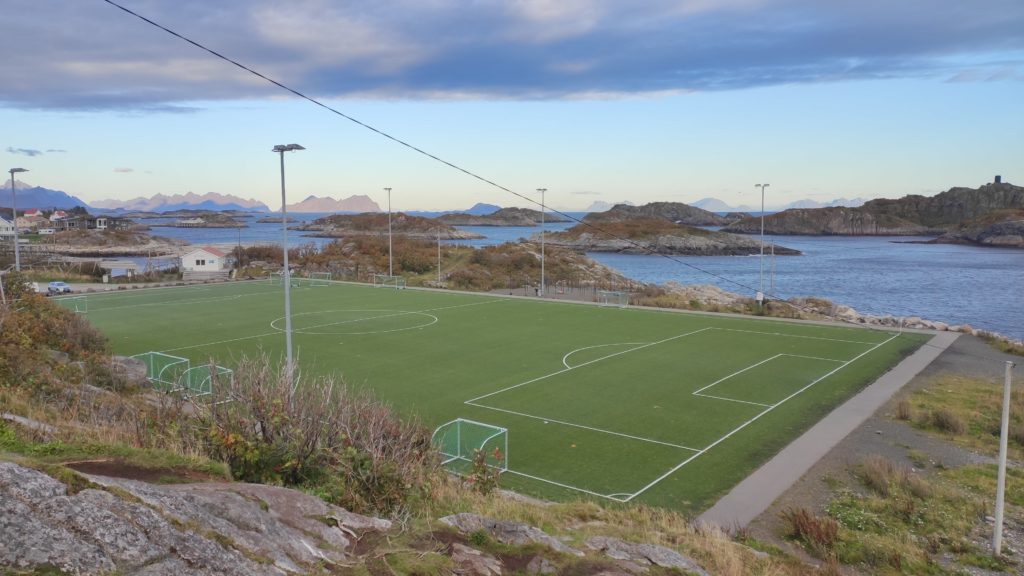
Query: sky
[594, 100]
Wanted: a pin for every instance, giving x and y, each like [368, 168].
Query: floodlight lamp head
[14, 171]
[287, 147]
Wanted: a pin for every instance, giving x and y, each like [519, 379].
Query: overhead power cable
[596, 228]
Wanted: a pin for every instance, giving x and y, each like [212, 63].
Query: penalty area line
[755, 418]
[566, 486]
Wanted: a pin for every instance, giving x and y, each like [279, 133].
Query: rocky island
[657, 236]
[340, 225]
[676, 212]
[502, 217]
[988, 216]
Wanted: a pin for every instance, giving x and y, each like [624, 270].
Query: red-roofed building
[204, 259]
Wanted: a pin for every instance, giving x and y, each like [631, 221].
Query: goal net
[613, 298]
[199, 380]
[277, 279]
[163, 370]
[319, 278]
[460, 440]
[386, 281]
[77, 304]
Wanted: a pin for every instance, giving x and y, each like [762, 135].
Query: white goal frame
[613, 298]
[163, 370]
[387, 281]
[198, 380]
[459, 439]
[77, 304]
[319, 278]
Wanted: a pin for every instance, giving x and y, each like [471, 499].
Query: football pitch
[622, 405]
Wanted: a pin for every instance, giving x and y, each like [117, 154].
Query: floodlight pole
[997, 532]
[542, 191]
[286, 277]
[760, 291]
[390, 269]
[14, 218]
[438, 256]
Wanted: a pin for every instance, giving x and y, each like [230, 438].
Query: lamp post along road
[286, 276]
[760, 292]
[390, 269]
[542, 206]
[14, 218]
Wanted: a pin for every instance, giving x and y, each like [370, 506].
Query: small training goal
[613, 298]
[200, 380]
[319, 278]
[77, 304]
[386, 281]
[277, 279]
[163, 370]
[461, 440]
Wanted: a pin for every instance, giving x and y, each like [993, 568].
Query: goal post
[163, 370]
[387, 281]
[76, 304]
[319, 278]
[460, 439]
[276, 278]
[199, 380]
[613, 298]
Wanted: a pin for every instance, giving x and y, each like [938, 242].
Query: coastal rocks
[675, 212]
[123, 526]
[1006, 230]
[654, 237]
[706, 294]
[502, 217]
[506, 532]
[832, 221]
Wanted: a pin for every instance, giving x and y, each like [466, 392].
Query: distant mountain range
[602, 206]
[190, 201]
[357, 203]
[716, 205]
[29, 196]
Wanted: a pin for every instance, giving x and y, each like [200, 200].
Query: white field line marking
[752, 420]
[393, 314]
[566, 357]
[591, 428]
[732, 400]
[566, 486]
[720, 380]
[556, 373]
[278, 331]
[814, 358]
[798, 336]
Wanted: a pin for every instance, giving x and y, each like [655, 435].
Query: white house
[6, 228]
[205, 259]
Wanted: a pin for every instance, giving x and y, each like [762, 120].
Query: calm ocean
[876, 275]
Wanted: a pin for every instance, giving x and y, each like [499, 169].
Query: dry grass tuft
[820, 533]
[947, 421]
[904, 411]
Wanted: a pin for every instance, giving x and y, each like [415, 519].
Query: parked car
[58, 288]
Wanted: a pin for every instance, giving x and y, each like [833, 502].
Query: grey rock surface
[470, 562]
[507, 532]
[644, 554]
[130, 527]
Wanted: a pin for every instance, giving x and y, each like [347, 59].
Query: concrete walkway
[756, 493]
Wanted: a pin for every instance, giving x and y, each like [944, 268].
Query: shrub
[904, 411]
[346, 446]
[819, 532]
[947, 421]
[879, 474]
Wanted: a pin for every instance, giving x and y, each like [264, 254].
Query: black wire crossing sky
[641, 247]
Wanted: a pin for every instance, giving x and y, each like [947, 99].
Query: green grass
[595, 399]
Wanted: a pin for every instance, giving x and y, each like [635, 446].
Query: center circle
[353, 322]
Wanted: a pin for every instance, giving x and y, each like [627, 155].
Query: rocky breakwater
[656, 236]
[502, 217]
[375, 224]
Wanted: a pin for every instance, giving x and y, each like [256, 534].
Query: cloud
[587, 193]
[450, 49]
[124, 170]
[24, 151]
[56, 151]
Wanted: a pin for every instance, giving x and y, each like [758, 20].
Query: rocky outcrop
[912, 215]
[1005, 229]
[672, 211]
[646, 236]
[106, 525]
[341, 225]
[507, 532]
[502, 217]
[831, 221]
[644, 555]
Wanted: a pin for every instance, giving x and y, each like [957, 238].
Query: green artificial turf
[598, 401]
